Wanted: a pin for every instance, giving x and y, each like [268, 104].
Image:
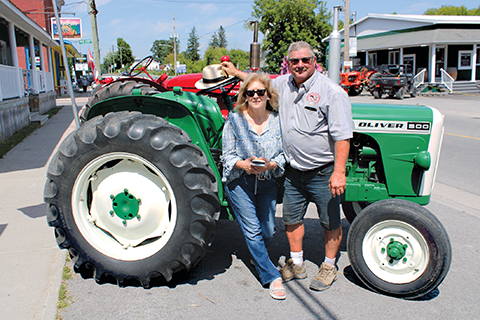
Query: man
[316, 121]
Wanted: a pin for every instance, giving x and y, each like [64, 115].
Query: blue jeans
[303, 187]
[254, 203]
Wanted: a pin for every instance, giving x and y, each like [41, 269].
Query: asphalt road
[223, 285]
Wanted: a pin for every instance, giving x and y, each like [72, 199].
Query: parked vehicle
[135, 192]
[392, 80]
[356, 80]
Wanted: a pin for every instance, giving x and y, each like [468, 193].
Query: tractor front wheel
[399, 248]
[131, 197]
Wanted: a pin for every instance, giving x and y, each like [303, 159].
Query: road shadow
[35, 150]
[38, 211]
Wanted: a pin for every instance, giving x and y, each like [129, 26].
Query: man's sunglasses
[251, 93]
[304, 60]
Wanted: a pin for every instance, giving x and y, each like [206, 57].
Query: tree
[446, 10]
[222, 38]
[162, 48]
[240, 58]
[192, 46]
[124, 56]
[213, 55]
[219, 39]
[108, 62]
[283, 22]
[214, 42]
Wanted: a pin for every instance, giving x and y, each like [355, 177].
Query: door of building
[439, 61]
[409, 62]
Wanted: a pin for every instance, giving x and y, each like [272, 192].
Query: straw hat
[211, 76]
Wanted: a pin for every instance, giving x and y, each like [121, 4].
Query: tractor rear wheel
[354, 91]
[116, 89]
[399, 248]
[400, 93]
[352, 209]
[131, 197]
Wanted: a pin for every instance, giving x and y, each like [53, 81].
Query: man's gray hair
[299, 45]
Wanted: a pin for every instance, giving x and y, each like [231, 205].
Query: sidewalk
[30, 261]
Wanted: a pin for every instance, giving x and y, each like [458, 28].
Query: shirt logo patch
[313, 98]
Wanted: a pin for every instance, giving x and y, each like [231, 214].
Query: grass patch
[64, 297]
[19, 136]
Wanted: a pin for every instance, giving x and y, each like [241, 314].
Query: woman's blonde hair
[242, 103]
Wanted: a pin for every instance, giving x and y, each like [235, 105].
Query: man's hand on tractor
[228, 67]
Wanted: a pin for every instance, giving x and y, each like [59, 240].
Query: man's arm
[231, 70]
[338, 180]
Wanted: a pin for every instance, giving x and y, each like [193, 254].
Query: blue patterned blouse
[241, 141]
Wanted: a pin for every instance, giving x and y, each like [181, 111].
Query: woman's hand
[251, 169]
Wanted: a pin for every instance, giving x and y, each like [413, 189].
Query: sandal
[274, 291]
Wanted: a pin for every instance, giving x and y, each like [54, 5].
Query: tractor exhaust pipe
[334, 48]
[255, 49]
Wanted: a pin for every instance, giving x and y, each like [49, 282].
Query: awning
[69, 48]
[418, 38]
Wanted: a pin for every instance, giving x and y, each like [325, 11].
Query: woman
[253, 157]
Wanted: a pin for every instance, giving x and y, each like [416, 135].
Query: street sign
[85, 41]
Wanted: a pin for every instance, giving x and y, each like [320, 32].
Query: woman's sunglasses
[251, 93]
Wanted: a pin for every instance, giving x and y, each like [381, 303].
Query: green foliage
[108, 63]
[124, 56]
[192, 46]
[162, 48]
[240, 58]
[284, 22]
[446, 10]
[213, 55]
[196, 66]
[219, 39]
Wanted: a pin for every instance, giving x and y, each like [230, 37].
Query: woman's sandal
[275, 290]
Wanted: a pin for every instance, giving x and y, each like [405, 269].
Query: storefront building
[433, 43]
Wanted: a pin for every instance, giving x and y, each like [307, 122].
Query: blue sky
[140, 22]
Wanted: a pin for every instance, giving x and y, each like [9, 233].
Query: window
[3, 52]
[372, 59]
[393, 57]
[478, 56]
[464, 60]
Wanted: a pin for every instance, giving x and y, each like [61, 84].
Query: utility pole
[113, 58]
[346, 33]
[65, 63]
[93, 20]
[174, 47]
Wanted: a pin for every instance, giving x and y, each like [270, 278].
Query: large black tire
[399, 248]
[116, 89]
[131, 197]
[400, 93]
[377, 94]
[354, 91]
[352, 209]
[413, 91]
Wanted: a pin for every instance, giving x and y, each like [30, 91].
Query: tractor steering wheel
[140, 67]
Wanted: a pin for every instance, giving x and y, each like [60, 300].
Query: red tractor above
[356, 80]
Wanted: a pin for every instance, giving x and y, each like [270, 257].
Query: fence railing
[446, 79]
[419, 79]
[10, 82]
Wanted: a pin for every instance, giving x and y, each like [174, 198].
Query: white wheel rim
[410, 266]
[137, 235]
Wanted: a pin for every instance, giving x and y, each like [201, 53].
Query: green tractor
[136, 191]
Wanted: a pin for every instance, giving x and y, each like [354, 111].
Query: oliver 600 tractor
[135, 192]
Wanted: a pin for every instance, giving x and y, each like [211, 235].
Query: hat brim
[200, 84]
